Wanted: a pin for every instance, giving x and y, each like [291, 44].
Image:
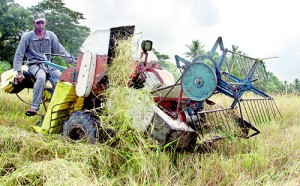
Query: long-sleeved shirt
[34, 48]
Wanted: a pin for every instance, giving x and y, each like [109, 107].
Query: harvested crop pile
[125, 108]
[53, 172]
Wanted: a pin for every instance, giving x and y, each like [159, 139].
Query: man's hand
[19, 78]
[73, 60]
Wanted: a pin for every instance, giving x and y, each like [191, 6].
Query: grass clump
[120, 112]
[53, 172]
[124, 103]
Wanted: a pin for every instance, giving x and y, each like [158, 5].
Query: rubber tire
[81, 125]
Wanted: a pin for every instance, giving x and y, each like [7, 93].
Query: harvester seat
[9, 86]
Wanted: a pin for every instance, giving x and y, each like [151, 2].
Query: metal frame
[63, 114]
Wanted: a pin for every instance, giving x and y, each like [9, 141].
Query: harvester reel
[199, 81]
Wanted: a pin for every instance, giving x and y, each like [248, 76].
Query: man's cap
[39, 17]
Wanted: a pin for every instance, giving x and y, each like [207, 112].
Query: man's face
[39, 26]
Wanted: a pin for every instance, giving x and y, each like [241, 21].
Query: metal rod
[166, 87]
[247, 64]
[227, 65]
[250, 110]
[178, 103]
[232, 66]
[277, 108]
[241, 113]
[262, 111]
[256, 112]
[211, 111]
[254, 109]
[246, 112]
[243, 55]
[239, 66]
[170, 90]
[245, 67]
[247, 99]
[272, 108]
[267, 109]
[233, 83]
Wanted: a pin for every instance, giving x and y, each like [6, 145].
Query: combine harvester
[181, 111]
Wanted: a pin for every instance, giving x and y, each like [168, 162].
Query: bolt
[198, 82]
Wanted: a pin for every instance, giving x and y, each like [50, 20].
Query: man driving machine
[34, 44]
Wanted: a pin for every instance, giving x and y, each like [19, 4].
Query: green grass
[12, 109]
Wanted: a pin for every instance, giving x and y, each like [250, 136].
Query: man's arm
[19, 54]
[59, 49]
[18, 59]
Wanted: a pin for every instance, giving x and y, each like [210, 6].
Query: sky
[260, 28]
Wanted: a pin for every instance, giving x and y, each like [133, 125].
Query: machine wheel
[81, 125]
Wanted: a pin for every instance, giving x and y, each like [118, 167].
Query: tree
[160, 57]
[235, 49]
[64, 23]
[4, 66]
[169, 66]
[297, 84]
[14, 21]
[271, 85]
[195, 49]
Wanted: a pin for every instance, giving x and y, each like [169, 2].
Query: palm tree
[235, 49]
[297, 84]
[195, 49]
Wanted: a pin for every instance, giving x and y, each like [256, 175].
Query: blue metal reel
[199, 81]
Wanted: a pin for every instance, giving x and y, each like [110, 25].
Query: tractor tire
[81, 125]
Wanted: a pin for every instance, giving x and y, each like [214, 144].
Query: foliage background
[15, 20]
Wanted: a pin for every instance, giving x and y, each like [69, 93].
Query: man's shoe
[31, 112]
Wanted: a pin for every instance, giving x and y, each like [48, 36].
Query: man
[34, 44]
